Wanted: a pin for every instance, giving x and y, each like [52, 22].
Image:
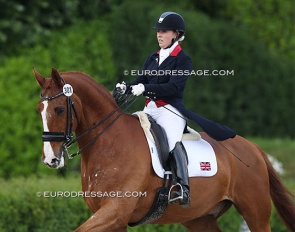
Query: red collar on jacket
[175, 51]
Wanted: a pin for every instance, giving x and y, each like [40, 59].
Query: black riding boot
[179, 162]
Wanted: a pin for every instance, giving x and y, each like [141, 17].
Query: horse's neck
[95, 110]
[98, 107]
[95, 101]
[103, 154]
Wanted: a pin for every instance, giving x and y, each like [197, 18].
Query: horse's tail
[280, 195]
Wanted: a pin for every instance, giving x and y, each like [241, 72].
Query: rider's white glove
[137, 89]
[122, 87]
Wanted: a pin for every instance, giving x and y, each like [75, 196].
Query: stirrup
[175, 199]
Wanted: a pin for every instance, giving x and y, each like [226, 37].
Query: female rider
[162, 80]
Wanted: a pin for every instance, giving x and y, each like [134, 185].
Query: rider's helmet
[171, 21]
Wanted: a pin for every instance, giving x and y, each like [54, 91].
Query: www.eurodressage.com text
[88, 194]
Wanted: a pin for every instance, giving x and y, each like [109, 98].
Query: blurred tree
[25, 23]
[271, 22]
[22, 23]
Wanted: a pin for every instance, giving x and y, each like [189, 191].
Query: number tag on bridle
[68, 90]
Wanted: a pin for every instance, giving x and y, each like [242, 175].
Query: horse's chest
[90, 182]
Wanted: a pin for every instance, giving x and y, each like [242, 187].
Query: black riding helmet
[170, 21]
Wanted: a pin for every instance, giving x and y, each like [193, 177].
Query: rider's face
[165, 37]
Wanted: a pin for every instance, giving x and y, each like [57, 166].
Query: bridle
[67, 136]
[61, 136]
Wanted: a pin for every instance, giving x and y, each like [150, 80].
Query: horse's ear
[39, 78]
[56, 77]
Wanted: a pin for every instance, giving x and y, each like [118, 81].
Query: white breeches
[173, 123]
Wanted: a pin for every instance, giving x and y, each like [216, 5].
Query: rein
[67, 136]
[67, 145]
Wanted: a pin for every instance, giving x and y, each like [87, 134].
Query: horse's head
[58, 115]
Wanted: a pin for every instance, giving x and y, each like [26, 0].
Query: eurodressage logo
[159, 73]
[90, 194]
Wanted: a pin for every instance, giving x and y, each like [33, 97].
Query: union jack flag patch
[205, 166]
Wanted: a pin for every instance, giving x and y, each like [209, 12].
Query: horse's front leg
[110, 217]
[95, 225]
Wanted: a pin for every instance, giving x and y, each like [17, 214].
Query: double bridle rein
[67, 137]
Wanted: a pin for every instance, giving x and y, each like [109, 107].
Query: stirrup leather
[175, 199]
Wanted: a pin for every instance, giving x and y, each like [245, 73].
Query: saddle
[161, 142]
[157, 134]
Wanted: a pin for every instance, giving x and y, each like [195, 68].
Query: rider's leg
[174, 123]
[179, 161]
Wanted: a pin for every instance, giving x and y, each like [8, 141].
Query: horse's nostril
[54, 161]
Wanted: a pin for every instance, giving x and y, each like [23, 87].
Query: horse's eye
[59, 110]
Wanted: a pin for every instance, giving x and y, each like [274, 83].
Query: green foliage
[19, 130]
[130, 34]
[23, 23]
[266, 21]
[83, 47]
[23, 210]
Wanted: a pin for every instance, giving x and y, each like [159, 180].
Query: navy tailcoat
[167, 82]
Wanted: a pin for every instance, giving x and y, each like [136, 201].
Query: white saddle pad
[201, 156]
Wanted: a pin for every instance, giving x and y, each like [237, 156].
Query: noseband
[66, 136]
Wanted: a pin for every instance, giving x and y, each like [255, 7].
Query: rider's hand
[122, 87]
[137, 89]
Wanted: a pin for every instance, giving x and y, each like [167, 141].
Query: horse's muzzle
[55, 160]
[53, 164]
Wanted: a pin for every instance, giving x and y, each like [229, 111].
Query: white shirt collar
[164, 53]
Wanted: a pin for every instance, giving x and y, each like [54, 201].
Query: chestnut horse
[115, 158]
